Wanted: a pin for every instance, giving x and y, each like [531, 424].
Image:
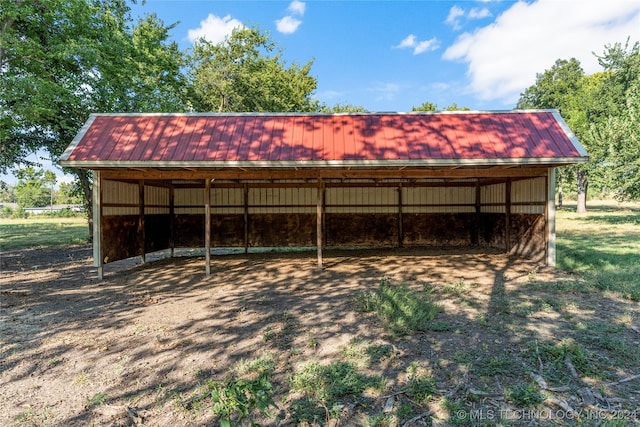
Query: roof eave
[535, 161]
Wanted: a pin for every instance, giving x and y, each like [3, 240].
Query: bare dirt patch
[138, 346]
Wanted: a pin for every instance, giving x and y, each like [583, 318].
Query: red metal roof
[263, 140]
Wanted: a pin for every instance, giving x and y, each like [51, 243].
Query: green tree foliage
[31, 189]
[246, 73]
[68, 194]
[60, 60]
[342, 108]
[7, 193]
[430, 106]
[602, 110]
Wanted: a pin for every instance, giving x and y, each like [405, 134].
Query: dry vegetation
[500, 342]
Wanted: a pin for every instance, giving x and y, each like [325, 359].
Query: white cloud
[409, 41]
[425, 45]
[453, 19]
[419, 47]
[214, 28]
[297, 7]
[504, 57]
[476, 13]
[288, 24]
[456, 14]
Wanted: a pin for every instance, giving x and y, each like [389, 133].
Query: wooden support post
[400, 220]
[550, 218]
[172, 221]
[141, 234]
[319, 209]
[507, 216]
[98, 260]
[475, 239]
[246, 218]
[207, 226]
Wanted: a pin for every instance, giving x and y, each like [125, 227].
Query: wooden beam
[246, 217]
[141, 234]
[327, 173]
[319, 208]
[172, 221]
[475, 238]
[550, 218]
[400, 219]
[207, 226]
[507, 216]
[98, 260]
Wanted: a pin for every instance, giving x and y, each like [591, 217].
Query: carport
[203, 180]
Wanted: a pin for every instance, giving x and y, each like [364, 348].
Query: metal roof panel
[264, 139]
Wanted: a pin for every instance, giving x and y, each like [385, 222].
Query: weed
[553, 356]
[237, 399]
[311, 411]
[421, 387]
[379, 420]
[96, 400]
[457, 289]
[330, 382]
[405, 411]
[312, 342]
[400, 309]
[264, 364]
[268, 334]
[81, 378]
[363, 354]
[379, 352]
[524, 394]
[532, 275]
[496, 365]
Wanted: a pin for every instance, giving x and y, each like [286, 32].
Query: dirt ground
[128, 349]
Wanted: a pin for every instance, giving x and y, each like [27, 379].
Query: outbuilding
[166, 181]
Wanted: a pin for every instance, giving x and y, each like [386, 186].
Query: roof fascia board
[572, 137]
[325, 163]
[314, 114]
[81, 133]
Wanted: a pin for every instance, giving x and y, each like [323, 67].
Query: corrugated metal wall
[527, 197]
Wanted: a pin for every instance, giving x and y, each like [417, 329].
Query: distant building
[54, 208]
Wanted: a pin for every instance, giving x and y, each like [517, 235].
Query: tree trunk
[560, 196]
[87, 191]
[583, 186]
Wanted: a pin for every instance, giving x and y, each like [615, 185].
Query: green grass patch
[524, 395]
[36, 232]
[364, 354]
[334, 381]
[400, 310]
[603, 246]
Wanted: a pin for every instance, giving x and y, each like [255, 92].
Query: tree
[602, 110]
[616, 131]
[7, 193]
[430, 106]
[69, 194]
[560, 87]
[243, 74]
[31, 188]
[60, 60]
[342, 108]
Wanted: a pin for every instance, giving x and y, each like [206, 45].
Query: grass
[603, 246]
[401, 310]
[36, 232]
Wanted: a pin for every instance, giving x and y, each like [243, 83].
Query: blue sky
[393, 55]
